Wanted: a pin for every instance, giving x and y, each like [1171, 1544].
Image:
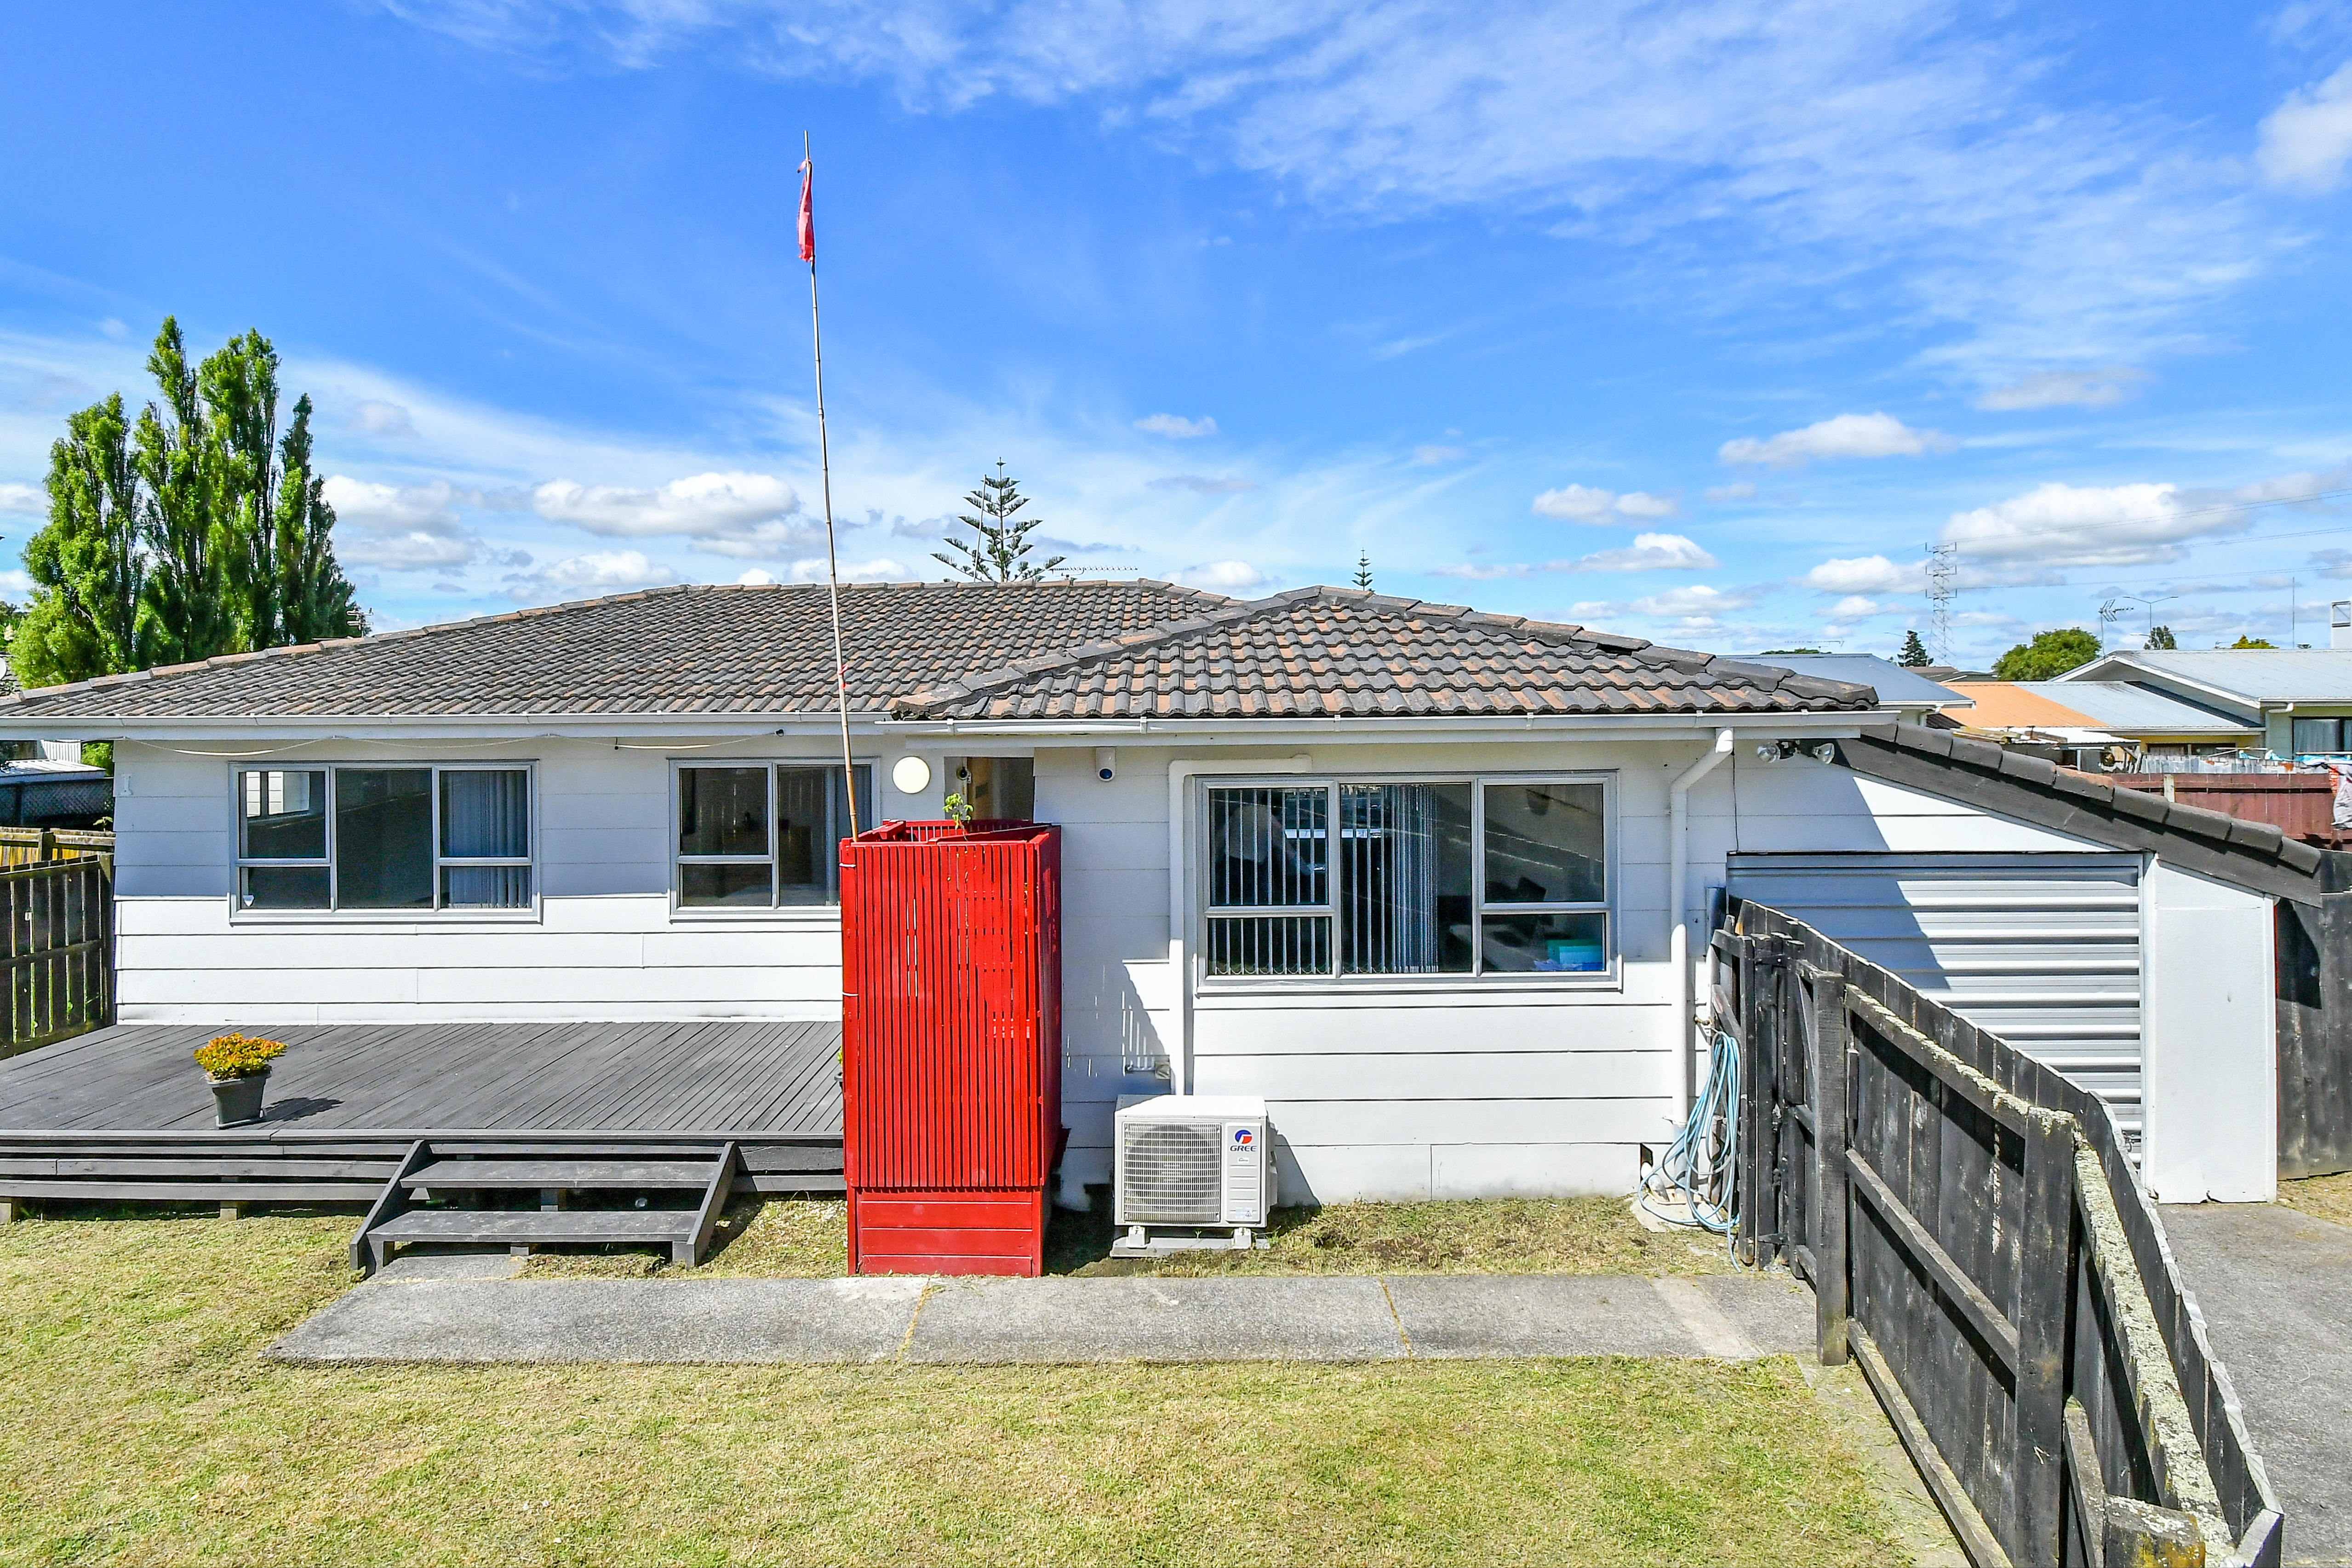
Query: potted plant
[238, 1069]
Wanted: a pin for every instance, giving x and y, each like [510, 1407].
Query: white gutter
[1678, 938]
[1180, 895]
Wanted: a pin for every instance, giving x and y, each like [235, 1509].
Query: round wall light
[911, 775]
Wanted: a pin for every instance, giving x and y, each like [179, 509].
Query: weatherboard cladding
[1049, 650]
[1340, 653]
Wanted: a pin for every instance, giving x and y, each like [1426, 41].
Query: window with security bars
[1421, 877]
[419, 838]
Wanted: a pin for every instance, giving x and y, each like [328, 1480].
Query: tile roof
[764, 648]
[1338, 652]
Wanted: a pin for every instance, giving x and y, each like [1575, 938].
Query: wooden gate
[58, 948]
[1978, 1242]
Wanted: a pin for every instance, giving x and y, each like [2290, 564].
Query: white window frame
[1608, 977]
[332, 909]
[827, 913]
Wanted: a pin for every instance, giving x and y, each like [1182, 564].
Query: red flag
[808, 213]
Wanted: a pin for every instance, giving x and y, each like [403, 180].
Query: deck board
[700, 1077]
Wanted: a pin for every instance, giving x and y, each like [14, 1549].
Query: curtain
[486, 815]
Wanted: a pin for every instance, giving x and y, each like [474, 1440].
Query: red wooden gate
[952, 1045]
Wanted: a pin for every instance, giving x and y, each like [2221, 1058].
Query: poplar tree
[999, 551]
[196, 531]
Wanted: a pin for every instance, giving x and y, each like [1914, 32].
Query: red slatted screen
[952, 1037]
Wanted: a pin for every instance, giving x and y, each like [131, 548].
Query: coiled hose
[1695, 1174]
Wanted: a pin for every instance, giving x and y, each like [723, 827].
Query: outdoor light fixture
[911, 775]
[1106, 763]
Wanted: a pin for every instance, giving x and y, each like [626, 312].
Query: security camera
[1106, 763]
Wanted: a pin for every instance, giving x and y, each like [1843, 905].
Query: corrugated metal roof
[1896, 687]
[2257, 674]
[2131, 709]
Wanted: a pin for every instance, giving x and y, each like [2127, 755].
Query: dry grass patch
[138, 1425]
[2322, 1197]
[758, 1238]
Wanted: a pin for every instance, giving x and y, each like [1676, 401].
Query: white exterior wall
[2210, 1040]
[1416, 1087]
[603, 944]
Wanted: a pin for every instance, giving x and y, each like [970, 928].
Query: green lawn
[806, 1238]
[138, 1425]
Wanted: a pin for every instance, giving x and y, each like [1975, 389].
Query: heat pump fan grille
[1174, 1173]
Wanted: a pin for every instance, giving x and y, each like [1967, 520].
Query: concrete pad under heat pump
[1050, 1320]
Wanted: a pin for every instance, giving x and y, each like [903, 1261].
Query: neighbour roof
[1999, 779]
[1340, 652]
[2021, 705]
[764, 648]
[1896, 687]
[2127, 709]
[2259, 674]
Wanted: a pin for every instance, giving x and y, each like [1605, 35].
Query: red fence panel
[951, 1040]
[2301, 805]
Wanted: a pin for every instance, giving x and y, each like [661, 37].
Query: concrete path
[2275, 1288]
[455, 1310]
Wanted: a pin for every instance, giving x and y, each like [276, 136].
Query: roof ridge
[26, 697]
[1770, 677]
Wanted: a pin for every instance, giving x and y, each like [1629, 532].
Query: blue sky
[1698, 322]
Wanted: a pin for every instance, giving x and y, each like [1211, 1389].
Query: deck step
[532, 1227]
[549, 1169]
[577, 1173]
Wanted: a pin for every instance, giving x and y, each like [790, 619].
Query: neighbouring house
[2299, 701]
[1434, 883]
[2105, 725]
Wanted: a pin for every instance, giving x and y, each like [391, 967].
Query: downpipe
[1686, 1018]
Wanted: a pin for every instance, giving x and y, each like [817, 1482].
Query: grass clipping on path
[2322, 1197]
[139, 1426]
[806, 1238]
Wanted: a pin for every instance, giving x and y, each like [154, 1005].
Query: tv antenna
[2151, 601]
[1943, 587]
[2109, 614]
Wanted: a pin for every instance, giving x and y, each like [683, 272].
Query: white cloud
[1695, 603]
[1867, 574]
[1650, 553]
[603, 572]
[2099, 525]
[755, 578]
[1744, 490]
[1229, 485]
[415, 550]
[1223, 577]
[399, 528]
[1176, 426]
[731, 506]
[1847, 436]
[1576, 504]
[15, 583]
[1650, 508]
[881, 569]
[23, 497]
[2066, 389]
[1430, 456]
[376, 416]
[2307, 139]
[1855, 607]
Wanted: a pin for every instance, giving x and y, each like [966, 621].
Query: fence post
[1831, 1214]
[2045, 1296]
[1759, 971]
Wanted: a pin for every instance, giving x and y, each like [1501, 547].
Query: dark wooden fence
[2315, 1026]
[2299, 804]
[58, 945]
[1976, 1239]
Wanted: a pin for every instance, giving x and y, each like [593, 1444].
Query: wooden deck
[123, 1113]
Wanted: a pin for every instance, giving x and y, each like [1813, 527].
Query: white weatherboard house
[1417, 876]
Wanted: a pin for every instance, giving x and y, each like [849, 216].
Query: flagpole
[825, 469]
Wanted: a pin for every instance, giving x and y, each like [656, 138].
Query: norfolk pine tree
[1915, 653]
[997, 553]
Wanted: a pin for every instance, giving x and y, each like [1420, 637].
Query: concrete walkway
[457, 1309]
[2275, 1288]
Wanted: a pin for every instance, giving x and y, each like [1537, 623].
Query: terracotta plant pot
[238, 1099]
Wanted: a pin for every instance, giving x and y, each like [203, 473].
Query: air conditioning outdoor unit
[1189, 1164]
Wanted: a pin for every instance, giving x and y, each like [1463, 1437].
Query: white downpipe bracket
[1678, 938]
[1181, 886]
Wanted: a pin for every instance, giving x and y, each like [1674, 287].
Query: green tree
[999, 551]
[193, 532]
[1364, 571]
[2160, 638]
[2048, 656]
[1915, 653]
[2244, 641]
